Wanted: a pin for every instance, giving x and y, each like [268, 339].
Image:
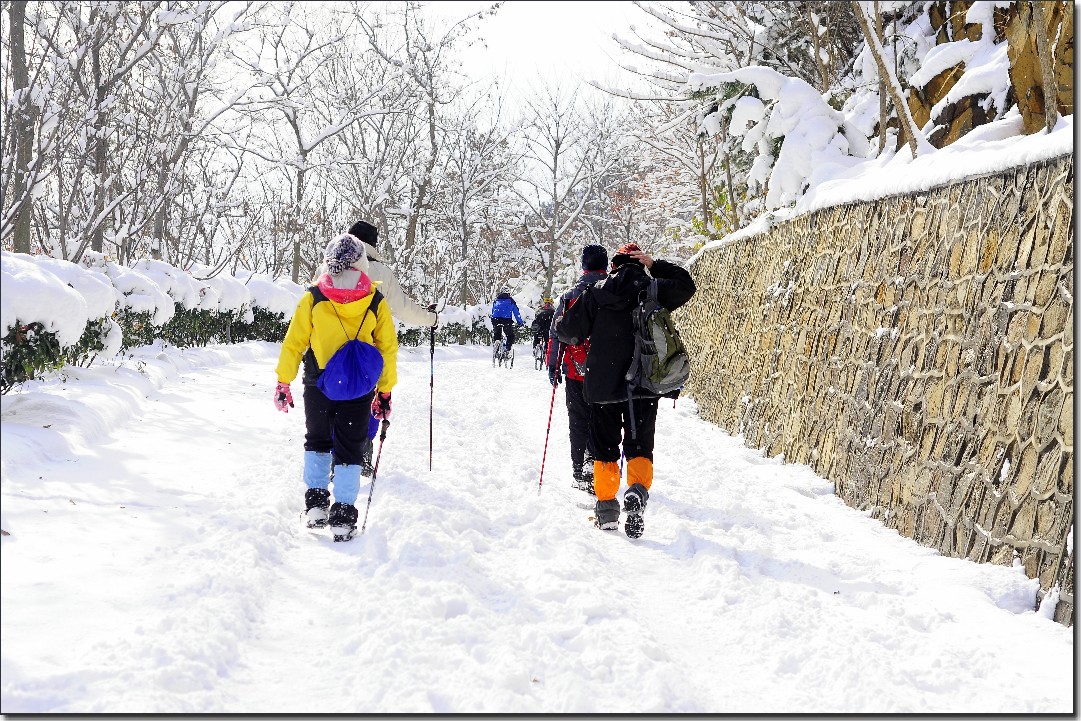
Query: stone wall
[918, 351]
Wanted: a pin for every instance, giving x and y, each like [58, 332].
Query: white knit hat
[344, 252]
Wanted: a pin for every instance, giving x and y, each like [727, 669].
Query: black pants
[501, 325]
[578, 421]
[608, 422]
[340, 427]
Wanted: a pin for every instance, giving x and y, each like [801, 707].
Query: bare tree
[291, 60]
[560, 148]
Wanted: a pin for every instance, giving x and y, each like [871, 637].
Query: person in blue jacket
[504, 315]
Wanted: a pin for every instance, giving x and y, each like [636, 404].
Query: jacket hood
[619, 290]
[355, 308]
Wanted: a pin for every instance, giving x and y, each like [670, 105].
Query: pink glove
[381, 406]
[283, 397]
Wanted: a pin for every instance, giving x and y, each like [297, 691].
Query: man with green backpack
[635, 357]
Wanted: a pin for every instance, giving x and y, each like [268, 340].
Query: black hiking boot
[583, 482]
[316, 503]
[634, 505]
[606, 515]
[343, 521]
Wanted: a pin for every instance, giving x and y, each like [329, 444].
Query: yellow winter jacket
[320, 330]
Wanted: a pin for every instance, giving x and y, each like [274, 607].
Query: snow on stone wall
[917, 351]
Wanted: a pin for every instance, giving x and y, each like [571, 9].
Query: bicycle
[538, 354]
[503, 353]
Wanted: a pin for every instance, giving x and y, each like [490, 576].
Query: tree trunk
[883, 114]
[465, 254]
[728, 177]
[823, 71]
[1043, 49]
[24, 130]
[422, 191]
[294, 220]
[908, 126]
[703, 186]
[100, 147]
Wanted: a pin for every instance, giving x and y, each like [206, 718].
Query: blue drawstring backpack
[354, 369]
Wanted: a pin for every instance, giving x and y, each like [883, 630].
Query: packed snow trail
[157, 563]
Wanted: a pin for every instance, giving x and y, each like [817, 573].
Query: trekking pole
[431, 402]
[375, 470]
[546, 434]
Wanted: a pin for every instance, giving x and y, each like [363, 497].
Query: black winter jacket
[542, 322]
[555, 348]
[603, 314]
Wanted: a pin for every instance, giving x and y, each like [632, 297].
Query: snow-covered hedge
[55, 313]
[472, 325]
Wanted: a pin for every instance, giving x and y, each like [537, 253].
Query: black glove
[554, 376]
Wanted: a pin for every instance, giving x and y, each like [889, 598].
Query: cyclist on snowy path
[504, 315]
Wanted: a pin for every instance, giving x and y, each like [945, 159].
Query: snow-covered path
[156, 563]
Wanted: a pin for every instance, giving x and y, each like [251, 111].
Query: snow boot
[583, 477]
[634, 505]
[317, 497]
[316, 503]
[367, 448]
[343, 521]
[607, 515]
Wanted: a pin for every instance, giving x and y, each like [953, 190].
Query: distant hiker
[569, 361]
[343, 305]
[403, 308]
[603, 315]
[504, 315]
[542, 323]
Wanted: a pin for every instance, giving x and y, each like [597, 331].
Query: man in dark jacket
[603, 315]
[564, 360]
[542, 324]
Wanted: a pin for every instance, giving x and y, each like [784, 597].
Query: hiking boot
[316, 503]
[583, 482]
[607, 515]
[343, 521]
[634, 505]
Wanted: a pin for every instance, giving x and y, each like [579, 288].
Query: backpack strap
[318, 296]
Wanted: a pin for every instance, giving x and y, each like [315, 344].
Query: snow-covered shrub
[181, 287]
[144, 306]
[271, 308]
[788, 113]
[52, 313]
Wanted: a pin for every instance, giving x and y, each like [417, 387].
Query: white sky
[529, 42]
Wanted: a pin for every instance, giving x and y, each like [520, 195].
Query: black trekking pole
[431, 402]
[375, 470]
[546, 434]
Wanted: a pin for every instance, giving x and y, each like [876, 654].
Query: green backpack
[660, 364]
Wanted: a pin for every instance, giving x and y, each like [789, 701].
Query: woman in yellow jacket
[343, 305]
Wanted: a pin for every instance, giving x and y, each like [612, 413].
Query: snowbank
[988, 149]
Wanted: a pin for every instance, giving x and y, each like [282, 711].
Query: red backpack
[574, 356]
